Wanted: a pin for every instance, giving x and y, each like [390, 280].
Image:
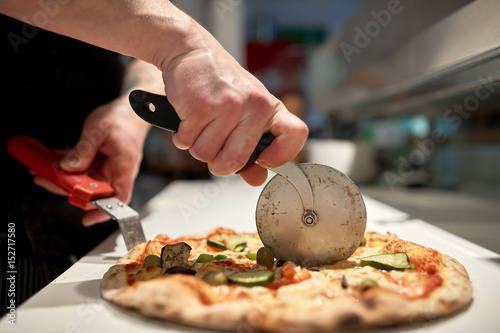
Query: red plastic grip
[80, 187]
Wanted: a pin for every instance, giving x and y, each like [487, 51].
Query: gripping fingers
[290, 136]
[254, 175]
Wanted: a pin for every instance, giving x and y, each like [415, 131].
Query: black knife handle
[156, 110]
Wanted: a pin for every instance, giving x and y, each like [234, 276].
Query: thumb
[80, 157]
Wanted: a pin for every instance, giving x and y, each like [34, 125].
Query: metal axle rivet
[310, 218]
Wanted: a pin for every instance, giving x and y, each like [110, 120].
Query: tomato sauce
[433, 279]
[132, 265]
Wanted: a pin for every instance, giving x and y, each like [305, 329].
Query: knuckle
[232, 101]
[301, 130]
[260, 104]
[229, 99]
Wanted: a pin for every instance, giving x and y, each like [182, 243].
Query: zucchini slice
[204, 258]
[391, 261]
[217, 245]
[252, 278]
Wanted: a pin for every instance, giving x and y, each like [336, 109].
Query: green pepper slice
[251, 256]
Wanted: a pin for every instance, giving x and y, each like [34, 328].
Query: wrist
[173, 34]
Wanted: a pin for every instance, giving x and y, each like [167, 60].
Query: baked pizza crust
[191, 301]
[190, 307]
[376, 308]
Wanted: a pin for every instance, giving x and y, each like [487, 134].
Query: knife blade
[83, 191]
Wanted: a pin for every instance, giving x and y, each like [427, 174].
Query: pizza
[227, 280]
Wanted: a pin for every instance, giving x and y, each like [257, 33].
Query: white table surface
[72, 302]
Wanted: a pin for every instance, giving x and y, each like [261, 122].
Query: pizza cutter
[309, 213]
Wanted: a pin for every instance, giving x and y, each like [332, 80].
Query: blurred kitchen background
[402, 96]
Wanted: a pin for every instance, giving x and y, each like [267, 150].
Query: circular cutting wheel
[338, 219]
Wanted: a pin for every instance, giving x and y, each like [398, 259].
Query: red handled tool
[83, 191]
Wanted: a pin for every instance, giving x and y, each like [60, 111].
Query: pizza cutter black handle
[156, 110]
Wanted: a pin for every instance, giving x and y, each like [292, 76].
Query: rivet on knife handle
[155, 109]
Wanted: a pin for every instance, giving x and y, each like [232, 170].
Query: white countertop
[72, 302]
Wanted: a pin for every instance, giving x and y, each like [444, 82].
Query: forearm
[152, 30]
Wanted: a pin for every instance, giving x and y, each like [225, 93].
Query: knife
[83, 191]
[309, 213]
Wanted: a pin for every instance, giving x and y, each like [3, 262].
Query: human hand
[110, 148]
[224, 111]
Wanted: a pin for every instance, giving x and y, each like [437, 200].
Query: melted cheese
[325, 285]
